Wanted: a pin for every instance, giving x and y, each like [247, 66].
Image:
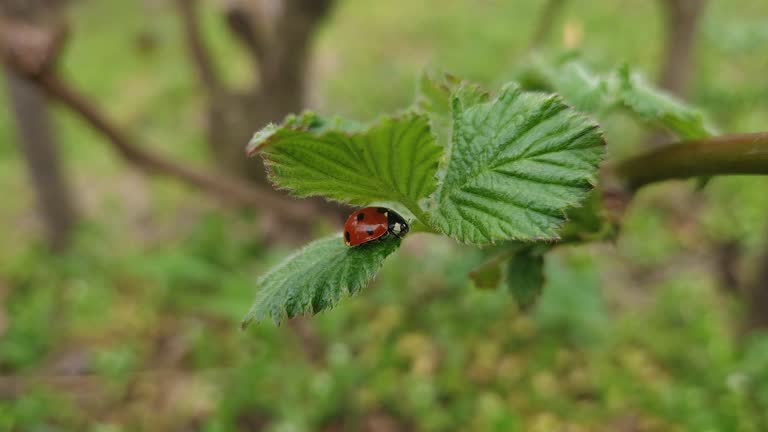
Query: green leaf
[434, 95]
[580, 86]
[525, 277]
[588, 222]
[434, 99]
[317, 277]
[660, 108]
[394, 160]
[515, 165]
[601, 93]
[488, 275]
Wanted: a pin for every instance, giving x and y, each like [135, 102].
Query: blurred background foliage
[136, 327]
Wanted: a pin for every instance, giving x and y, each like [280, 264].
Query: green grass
[145, 308]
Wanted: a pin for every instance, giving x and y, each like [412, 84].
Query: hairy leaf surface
[525, 278]
[660, 108]
[394, 160]
[515, 165]
[488, 275]
[572, 79]
[317, 277]
[434, 99]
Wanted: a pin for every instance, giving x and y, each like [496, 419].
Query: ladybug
[373, 223]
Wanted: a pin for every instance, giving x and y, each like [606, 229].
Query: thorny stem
[740, 154]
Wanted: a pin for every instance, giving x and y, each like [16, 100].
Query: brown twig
[91, 385]
[756, 296]
[199, 52]
[312, 345]
[224, 187]
[284, 64]
[723, 155]
[682, 19]
[37, 139]
[546, 23]
[728, 254]
[681, 22]
[247, 30]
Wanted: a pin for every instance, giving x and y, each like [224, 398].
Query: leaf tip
[260, 139]
[245, 323]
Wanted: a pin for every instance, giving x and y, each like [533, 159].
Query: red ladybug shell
[365, 225]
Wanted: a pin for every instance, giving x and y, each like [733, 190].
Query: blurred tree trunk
[548, 19]
[682, 19]
[277, 36]
[756, 296]
[36, 139]
[35, 131]
[681, 23]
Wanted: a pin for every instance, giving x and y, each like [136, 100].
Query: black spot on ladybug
[360, 216]
[346, 236]
[370, 232]
[381, 210]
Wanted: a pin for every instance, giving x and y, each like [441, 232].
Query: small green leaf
[572, 79]
[434, 96]
[601, 93]
[434, 99]
[317, 277]
[660, 108]
[488, 275]
[588, 222]
[515, 165]
[583, 89]
[525, 277]
[394, 160]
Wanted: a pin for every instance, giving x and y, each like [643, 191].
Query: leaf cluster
[508, 170]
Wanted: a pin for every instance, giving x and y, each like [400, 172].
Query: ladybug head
[397, 225]
[400, 229]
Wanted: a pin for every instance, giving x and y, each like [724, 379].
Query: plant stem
[548, 19]
[421, 224]
[420, 227]
[420, 215]
[723, 155]
[218, 185]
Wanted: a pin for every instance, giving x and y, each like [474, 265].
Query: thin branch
[284, 64]
[682, 19]
[547, 20]
[224, 187]
[756, 296]
[313, 9]
[31, 48]
[37, 139]
[246, 29]
[188, 10]
[723, 155]
[312, 345]
[681, 22]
